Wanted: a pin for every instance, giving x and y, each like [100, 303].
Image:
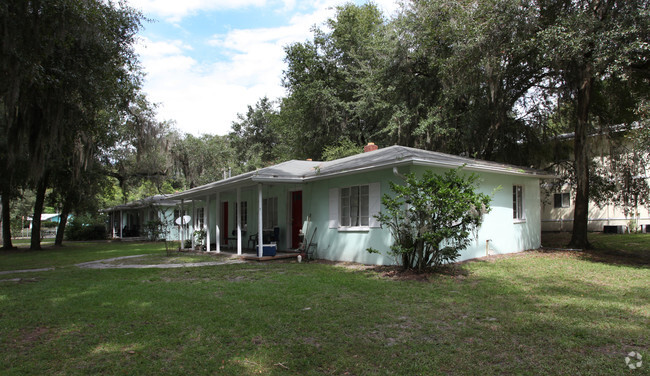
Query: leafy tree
[140, 150]
[257, 136]
[431, 218]
[333, 82]
[63, 62]
[581, 43]
[201, 160]
[472, 61]
[343, 148]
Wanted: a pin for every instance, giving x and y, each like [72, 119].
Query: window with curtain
[355, 206]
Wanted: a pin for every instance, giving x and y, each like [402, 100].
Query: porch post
[217, 217]
[238, 220]
[121, 220]
[260, 233]
[206, 222]
[193, 222]
[182, 225]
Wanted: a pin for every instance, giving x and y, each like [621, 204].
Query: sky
[207, 60]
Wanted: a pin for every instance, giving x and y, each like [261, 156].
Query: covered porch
[129, 221]
[232, 213]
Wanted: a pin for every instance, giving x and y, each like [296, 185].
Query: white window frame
[354, 206]
[518, 208]
[565, 200]
[335, 208]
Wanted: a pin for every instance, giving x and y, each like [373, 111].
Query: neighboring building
[338, 200]
[558, 202]
[128, 220]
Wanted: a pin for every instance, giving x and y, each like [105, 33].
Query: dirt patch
[33, 336]
[19, 280]
[238, 278]
[311, 341]
[397, 273]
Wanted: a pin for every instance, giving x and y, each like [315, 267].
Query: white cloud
[205, 97]
[175, 10]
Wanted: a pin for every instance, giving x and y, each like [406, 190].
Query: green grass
[73, 253]
[532, 313]
[176, 258]
[619, 248]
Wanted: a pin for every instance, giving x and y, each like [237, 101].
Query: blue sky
[207, 60]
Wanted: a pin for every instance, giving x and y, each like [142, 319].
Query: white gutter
[419, 162]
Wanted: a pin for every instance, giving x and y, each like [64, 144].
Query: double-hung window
[518, 203]
[354, 206]
[561, 200]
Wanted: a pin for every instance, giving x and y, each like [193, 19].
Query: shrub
[431, 218]
[86, 227]
[154, 229]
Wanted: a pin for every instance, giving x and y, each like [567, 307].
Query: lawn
[73, 253]
[538, 312]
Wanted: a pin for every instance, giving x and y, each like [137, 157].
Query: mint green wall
[506, 236]
[347, 246]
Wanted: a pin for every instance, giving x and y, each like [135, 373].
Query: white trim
[238, 220]
[260, 230]
[374, 204]
[597, 219]
[522, 201]
[206, 223]
[217, 217]
[354, 229]
[334, 207]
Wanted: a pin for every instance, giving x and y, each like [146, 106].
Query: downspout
[398, 174]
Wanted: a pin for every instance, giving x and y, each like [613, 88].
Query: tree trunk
[581, 162]
[58, 241]
[38, 210]
[6, 222]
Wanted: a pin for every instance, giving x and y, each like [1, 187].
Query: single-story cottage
[334, 202]
[129, 220]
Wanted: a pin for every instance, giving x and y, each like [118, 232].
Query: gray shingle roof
[392, 156]
[157, 200]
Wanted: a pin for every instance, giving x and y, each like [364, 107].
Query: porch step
[278, 256]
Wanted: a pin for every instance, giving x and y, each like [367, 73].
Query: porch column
[206, 222]
[182, 225]
[260, 233]
[193, 222]
[238, 220]
[217, 217]
[121, 220]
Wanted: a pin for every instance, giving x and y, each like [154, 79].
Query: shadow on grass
[616, 249]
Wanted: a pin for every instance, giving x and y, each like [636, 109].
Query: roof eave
[493, 169]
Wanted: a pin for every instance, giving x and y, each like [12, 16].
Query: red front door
[296, 218]
[224, 221]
